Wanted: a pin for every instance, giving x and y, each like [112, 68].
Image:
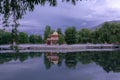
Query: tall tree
[70, 35]
[84, 36]
[61, 39]
[5, 37]
[109, 33]
[59, 31]
[47, 32]
[39, 39]
[32, 39]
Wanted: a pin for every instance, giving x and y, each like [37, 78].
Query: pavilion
[53, 39]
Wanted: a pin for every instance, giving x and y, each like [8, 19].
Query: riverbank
[60, 48]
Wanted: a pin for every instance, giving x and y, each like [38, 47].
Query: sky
[85, 14]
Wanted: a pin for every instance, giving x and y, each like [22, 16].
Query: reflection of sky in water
[34, 69]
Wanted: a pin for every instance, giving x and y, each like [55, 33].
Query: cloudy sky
[85, 14]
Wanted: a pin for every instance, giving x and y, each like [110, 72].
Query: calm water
[60, 66]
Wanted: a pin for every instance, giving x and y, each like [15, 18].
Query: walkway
[61, 48]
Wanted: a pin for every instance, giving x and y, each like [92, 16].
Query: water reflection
[19, 56]
[109, 61]
[52, 57]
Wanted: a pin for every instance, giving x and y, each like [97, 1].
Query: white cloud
[30, 22]
[115, 4]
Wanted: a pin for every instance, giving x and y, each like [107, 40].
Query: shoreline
[60, 48]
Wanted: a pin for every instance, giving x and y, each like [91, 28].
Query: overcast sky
[85, 14]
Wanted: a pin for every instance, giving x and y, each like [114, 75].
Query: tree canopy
[70, 35]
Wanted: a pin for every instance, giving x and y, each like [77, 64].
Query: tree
[95, 36]
[84, 36]
[32, 39]
[47, 63]
[59, 31]
[5, 37]
[61, 39]
[23, 38]
[109, 33]
[39, 39]
[71, 60]
[70, 35]
[61, 36]
[35, 39]
[47, 32]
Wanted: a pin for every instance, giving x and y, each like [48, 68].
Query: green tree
[47, 62]
[59, 31]
[109, 33]
[23, 38]
[84, 36]
[51, 32]
[39, 39]
[34, 39]
[5, 37]
[47, 32]
[61, 39]
[71, 60]
[95, 36]
[70, 35]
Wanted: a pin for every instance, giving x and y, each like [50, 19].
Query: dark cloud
[86, 14]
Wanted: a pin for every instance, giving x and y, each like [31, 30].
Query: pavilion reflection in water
[52, 57]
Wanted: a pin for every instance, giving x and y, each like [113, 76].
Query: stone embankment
[60, 48]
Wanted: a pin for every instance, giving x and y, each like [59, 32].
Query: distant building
[53, 39]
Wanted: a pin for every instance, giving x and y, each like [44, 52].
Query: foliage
[61, 39]
[23, 38]
[5, 37]
[109, 61]
[34, 39]
[59, 31]
[70, 35]
[22, 57]
[108, 33]
[47, 32]
[84, 36]
[71, 60]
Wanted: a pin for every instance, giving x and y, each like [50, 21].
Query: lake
[60, 66]
[33, 16]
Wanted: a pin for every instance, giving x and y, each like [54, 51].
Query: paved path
[60, 48]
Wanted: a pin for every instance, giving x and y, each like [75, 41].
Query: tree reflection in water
[17, 56]
[109, 61]
[71, 60]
